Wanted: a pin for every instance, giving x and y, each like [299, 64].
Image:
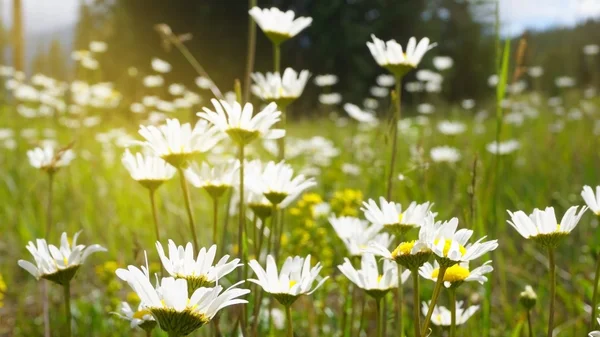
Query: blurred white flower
[176, 89]
[203, 83]
[137, 108]
[564, 82]
[351, 169]
[442, 63]
[413, 87]
[591, 49]
[451, 127]
[325, 80]
[505, 147]
[535, 71]
[493, 80]
[98, 46]
[160, 66]
[425, 108]
[153, 81]
[49, 159]
[360, 115]
[333, 98]
[371, 103]
[385, 80]
[445, 154]
[468, 104]
[379, 92]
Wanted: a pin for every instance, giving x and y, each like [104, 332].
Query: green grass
[97, 196]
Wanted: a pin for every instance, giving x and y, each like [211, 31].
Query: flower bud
[528, 298]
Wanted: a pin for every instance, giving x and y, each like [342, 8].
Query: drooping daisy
[176, 311]
[277, 25]
[368, 277]
[141, 318]
[215, 180]
[442, 316]
[357, 234]
[543, 227]
[177, 143]
[457, 274]
[48, 159]
[390, 216]
[58, 264]
[450, 245]
[528, 297]
[391, 56]
[592, 200]
[278, 183]
[283, 90]
[198, 271]
[240, 125]
[149, 171]
[296, 278]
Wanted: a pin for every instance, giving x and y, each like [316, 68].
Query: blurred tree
[39, 64]
[56, 66]
[17, 35]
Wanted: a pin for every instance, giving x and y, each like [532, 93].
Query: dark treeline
[335, 43]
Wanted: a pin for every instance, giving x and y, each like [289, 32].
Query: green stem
[434, 297]
[251, 52]
[344, 320]
[49, 206]
[241, 226]
[288, 318]
[395, 120]
[215, 219]
[152, 193]
[452, 312]
[67, 292]
[276, 57]
[400, 292]
[188, 207]
[379, 314]
[416, 301]
[552, 268]
[282, 122]
[595, 294]
[529, 323]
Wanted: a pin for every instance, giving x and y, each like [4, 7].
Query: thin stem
[152, 193]
[251, 52]
[552, 268]
[148, 333]
[400, 292]
[452, 312]
[241, 226]
[595, 294]
[434, 297]
[215, 219]
[416, 302]
[188, 207]
[395, 120]
[530, 327]
[288, 318]
[379, 314]
[67, 289]
[344, 319]
[352, 311]
[276, 57]
[195, 64]
[49, 206]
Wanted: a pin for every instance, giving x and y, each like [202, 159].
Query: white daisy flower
[391, 56]
[296, 278]
[140, 318]
[542, 225]
[457, 274]
[176, 311]
[591, 49]
[442, 316]
[57, 264]
[535, 71]
[198, 271]
[357, 234]
[450, 246]
[47, 158]
[98, 47]
[330, 98]
[444, 154]
[278, 184]
[451, 128]
[368, 277]
[385, 80]
[150, 171]
[215, 180]
[390, 217]
[503, 148]
[442, 63]
[177, 143]
[272, 87]
[592, 200]
[239, 123]
[277, 25]
[153, 81]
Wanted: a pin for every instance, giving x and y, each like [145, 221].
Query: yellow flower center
[379, 278]
[558, 227]
[400, 217]
[292, 283]
[456, 273]
[140, 314]
[448, 244]
[404, 248]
